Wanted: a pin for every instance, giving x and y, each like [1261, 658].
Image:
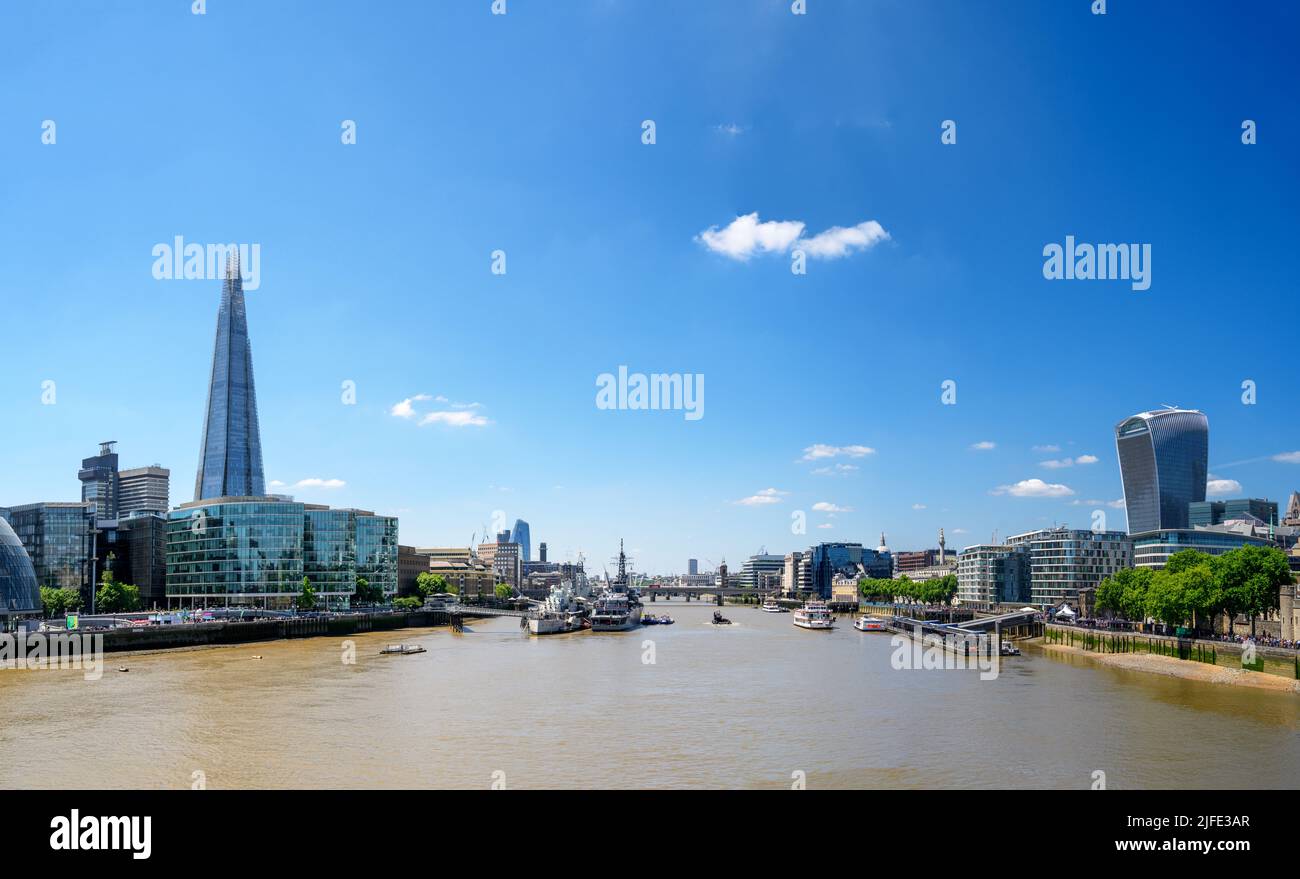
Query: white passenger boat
[770, 606]
[814, 615]
[866, 623]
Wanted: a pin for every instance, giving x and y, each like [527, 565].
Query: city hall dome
[19, 594]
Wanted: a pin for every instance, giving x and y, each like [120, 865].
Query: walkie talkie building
[230, 461]
[1163, 461]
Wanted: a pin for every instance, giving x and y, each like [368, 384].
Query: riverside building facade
[1062, 561]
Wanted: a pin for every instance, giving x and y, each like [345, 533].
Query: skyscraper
[1163, 461]
[143, 490]
[519, 534]
[99, 481]
[230, 460]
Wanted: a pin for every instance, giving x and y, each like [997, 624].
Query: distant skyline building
[58, 540]
[230, 458]
[989, 574]
[762, 571]
[519, 534]
[1163, 462]
[692, 566]
[99, 481]
[1217, 512]
[143, 490]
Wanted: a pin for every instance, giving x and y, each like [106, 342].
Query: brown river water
[756, 704]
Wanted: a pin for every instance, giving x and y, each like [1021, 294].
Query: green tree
[115, 597]
[409, 602]
[1125, 593]
[1166, 598]
[1249, 578]
[427, 584]
[306, 599]
[58, 602]
[367, 594]
[504, 591]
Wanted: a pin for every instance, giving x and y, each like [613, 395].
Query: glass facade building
[255, 551]
[825, 561]
[521, 536]
[99, 481]
[57, 537]
[20, 595]
[230, 459]
[1163, 461]
[1217, 512]
[1152, 549]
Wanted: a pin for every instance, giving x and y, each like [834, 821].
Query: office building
[20, 595]
[519, 534]
[255, 551]
[99, 481]
[135, 550]
[143, 490]
[541, 552]
[1201, 513]
[760, 571]
[60, 541]
[826, 560]
[909, 561]
[692, 566]
[502, 558]
[1163, 461]
[1062, 561]
[1152, 549]
[230, 457]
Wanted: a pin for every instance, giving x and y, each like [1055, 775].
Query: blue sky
[523, 133]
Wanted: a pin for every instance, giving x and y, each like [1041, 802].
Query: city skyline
[851, 429]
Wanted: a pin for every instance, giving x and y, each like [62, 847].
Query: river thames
[755, 704]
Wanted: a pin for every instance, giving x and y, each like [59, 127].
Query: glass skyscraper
[1163, 461]
[521, 536]
[230, 460]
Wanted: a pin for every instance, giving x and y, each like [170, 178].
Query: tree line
[1195, 587]
[939, 590]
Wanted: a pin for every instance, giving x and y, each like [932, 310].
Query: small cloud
[959, 531]
[1086, 459]
[1216, 486]
[316, 482]
[836, 470]
[1056, 465]
[1034, 488]
[405, 409]
[820, 451]
[459, 418]
[838, 242]
[730, 128]
[1052, 447]
[918, 506]
[766, 496]
[984, 445]
[1288, 457]
[747, 235]
[826, 525]
[826, 507]
[275, 483]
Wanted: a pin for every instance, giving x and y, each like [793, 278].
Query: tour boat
[814, 615]
[402, 649]
[770, 606]
[867, 623]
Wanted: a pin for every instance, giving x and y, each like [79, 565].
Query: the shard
[230, 460]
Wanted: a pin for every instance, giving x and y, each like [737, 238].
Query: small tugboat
[770, 606]
[719, 619]
[1008, 648]
[867, 623]
[401, 649]
[652, 620]
[814, 615]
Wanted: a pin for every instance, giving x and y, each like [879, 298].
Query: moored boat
[770, 605]
[866, 623]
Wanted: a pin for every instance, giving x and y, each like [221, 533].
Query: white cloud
[960, 531]
[1116, 505]
[1057, 465]
[984, 445]
[1051, 447]
[918, 506]
[826, 525]
[1086, 459]
[275, 483]
[730, 128]
[827, 507]
[747, 235]
[459, 418]
[837, 241]
[837, 470]
[316, 482]
[820, 451]
[1288, 457]
[766, 496]
[1035, 488]
[404, 409]
[1216, 486]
